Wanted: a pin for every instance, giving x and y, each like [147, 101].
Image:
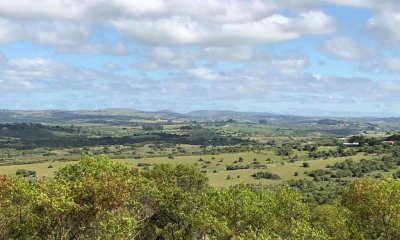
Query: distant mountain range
[115, 115]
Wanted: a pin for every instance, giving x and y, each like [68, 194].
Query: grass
[215, 165]
[275, 164]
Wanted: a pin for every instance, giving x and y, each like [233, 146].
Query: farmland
[227, 151]
[168, 176]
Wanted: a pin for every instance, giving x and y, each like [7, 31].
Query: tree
[176, 202]
[334, 220]
[90, 195]
[284, 151]
[306, 165]
[374, 205]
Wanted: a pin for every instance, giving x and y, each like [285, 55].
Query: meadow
[214, 166]
[174, 179]
[211, 147]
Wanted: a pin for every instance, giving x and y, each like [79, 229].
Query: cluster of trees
[190, 127]
[366, 166]
[365, 141]
[25, 173]
[339, 152]
[101, 199]
[317, 194]
[152, 127]
[23, 126]
[284, 151]
[51, 141]
[349, 168]
[266, 175]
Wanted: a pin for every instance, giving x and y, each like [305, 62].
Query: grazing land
[319, 166]
[228, 147]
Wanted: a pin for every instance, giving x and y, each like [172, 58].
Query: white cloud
[55, 33]
[385, 17]
[8, 31]
[354, 3]
[347, 48]
[189, 30]
[216, 49]
[217, 11]
[55, 9]
[206, 74]
[209, 22]
[392, 64]
[236, 53]
[117, 49]
[111, 66]
[385, 25]
[47, 75]
[205, 22]
[174, 57]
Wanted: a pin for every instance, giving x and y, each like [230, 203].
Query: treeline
[349, 168]
[101, 199]
[52, 142]
[24, 126]
[339, 152]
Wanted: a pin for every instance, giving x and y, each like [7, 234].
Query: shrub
[266, 175]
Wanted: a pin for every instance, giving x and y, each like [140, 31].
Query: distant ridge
[226, 113]
[128, 115]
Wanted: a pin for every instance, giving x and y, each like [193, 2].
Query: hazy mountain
[126, 115]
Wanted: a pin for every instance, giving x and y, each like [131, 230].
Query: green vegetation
[196, 178]
[100, 199]
[266, 175]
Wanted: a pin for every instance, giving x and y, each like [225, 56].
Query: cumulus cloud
[221, 50]
[385, 17]
[354, 3]
[52, 9]
[54, 33]
[188, 30]
[347, 48]
[211, 22]
[304, 88]
[385, 25]
[47, 75]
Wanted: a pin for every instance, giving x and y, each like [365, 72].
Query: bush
[25, 173]
[266, 175]
[234, 167]
[306, 164]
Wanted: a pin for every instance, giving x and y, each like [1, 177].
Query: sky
[303, 57]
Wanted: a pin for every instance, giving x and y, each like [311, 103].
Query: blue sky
[306, 57]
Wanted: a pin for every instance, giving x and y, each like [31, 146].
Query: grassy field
[214, 166]
[256, 149]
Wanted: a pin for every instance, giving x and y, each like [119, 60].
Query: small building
[354, 144]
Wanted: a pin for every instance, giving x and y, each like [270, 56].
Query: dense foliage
[100, 199]
[349, 168]
[266, 175]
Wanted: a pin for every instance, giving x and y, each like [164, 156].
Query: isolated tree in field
[284, 151]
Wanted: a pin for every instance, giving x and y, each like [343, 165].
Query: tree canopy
[101, 199]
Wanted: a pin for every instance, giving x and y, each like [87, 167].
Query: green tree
[374, 205]
[91, 195]
[334, 220]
